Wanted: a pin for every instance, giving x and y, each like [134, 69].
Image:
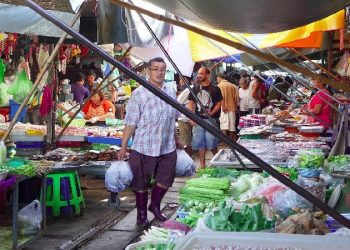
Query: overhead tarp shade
[23, 20]
[58, 5]
[253, 16]
[308, 36]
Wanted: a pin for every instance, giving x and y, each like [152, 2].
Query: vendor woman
[98, 108]
[319, 104]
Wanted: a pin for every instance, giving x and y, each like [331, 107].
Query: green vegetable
[247, 219]
[198, 195]
[161, 246]
[311, 159]
[291, 173]
[209, 183]
[23, 167]
[219, 172]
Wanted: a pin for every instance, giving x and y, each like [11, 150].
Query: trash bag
[118, 177]
[2, 71]
[20, 87]
[184, 164]
[29, 219]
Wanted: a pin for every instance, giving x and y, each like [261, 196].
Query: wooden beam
[333, 83]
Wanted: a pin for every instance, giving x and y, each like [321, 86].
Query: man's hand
[179, 145]
[193, 123]
[121, 154]
[224, 109]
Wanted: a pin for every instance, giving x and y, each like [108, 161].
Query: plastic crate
[14, 106]
[107, 140]
[263, 240]
[69, 144]
[30, 144]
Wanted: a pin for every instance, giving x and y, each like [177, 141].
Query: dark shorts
[161, 168]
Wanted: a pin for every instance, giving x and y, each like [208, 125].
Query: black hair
[288, 79]
[278, 80]
[90, 72]
[156, 59]
[207, 71]
[222, 75]
[79, 77]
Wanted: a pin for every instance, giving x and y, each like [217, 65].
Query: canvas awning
[253, 16]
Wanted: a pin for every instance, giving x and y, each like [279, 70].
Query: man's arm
[216, 108]
[127, 133]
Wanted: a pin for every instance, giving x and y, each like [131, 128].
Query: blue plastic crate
[14, 106]
[30, 144]
[107, 140]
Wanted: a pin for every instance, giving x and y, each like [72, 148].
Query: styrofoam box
[144, 243]
[264, 240]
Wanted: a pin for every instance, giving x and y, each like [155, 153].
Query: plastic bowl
[309, 173]
[3, 174]
[112, 122]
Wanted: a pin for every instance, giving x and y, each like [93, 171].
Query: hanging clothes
[47, 101]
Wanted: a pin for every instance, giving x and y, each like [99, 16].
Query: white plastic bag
[29, 219]
[184, 164]
[343, 64]
[118, 177]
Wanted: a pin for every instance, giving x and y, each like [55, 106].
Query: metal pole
[40, 76]
[185, 81]
[246, 153]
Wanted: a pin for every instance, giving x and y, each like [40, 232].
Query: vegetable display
[195, 210]
[249, 218]
[160, 246]
[204, 190]
[245, 183]
[310, 159]
[338, 163]
[228, 173]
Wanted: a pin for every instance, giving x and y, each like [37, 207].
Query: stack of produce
[228, 173]
[245, 185]
[338, 163]
[304, 222]
[195, 210]
[204, 190]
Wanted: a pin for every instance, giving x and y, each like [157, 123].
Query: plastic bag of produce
[4, 96]
[20, 87]
[312, 158]
[338, 163]
[29, 219]
[284, 201]
[118, 177]
[184, 164]
[343, 64]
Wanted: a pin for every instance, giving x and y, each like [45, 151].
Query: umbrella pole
[246, 153]
[236, 45]
[212, 121]
[40, 76]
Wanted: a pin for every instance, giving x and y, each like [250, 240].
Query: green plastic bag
[4, 96]
[20, 87]
[2, 71]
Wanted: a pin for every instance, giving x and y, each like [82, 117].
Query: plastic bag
[269, 188]
[312, 159]
[118, 177]
[20, 87]
[4, 96]
[29, 219]
[184, 164]
[343, 64]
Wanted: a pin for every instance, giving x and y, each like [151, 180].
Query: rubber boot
[141, 206]
[157, 196]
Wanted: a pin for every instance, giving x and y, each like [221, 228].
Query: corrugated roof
[59, 5]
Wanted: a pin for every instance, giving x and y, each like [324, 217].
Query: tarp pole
[317, 65]
[236, 45]
[40, 76]
[212, 121]
[246, 153]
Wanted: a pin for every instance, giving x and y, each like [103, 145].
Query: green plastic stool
[55, 195]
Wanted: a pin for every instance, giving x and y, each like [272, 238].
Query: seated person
[98, 108]
[90, 80]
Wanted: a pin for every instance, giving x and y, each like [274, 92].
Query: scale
[342, 205]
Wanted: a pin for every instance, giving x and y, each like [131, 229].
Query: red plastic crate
[5, 111]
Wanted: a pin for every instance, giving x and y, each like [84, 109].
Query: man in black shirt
[211, 97]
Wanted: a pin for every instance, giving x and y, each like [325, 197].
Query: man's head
[221, 76]
[90, 77]
[156, 68]
[79, 78]
[203, 75]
